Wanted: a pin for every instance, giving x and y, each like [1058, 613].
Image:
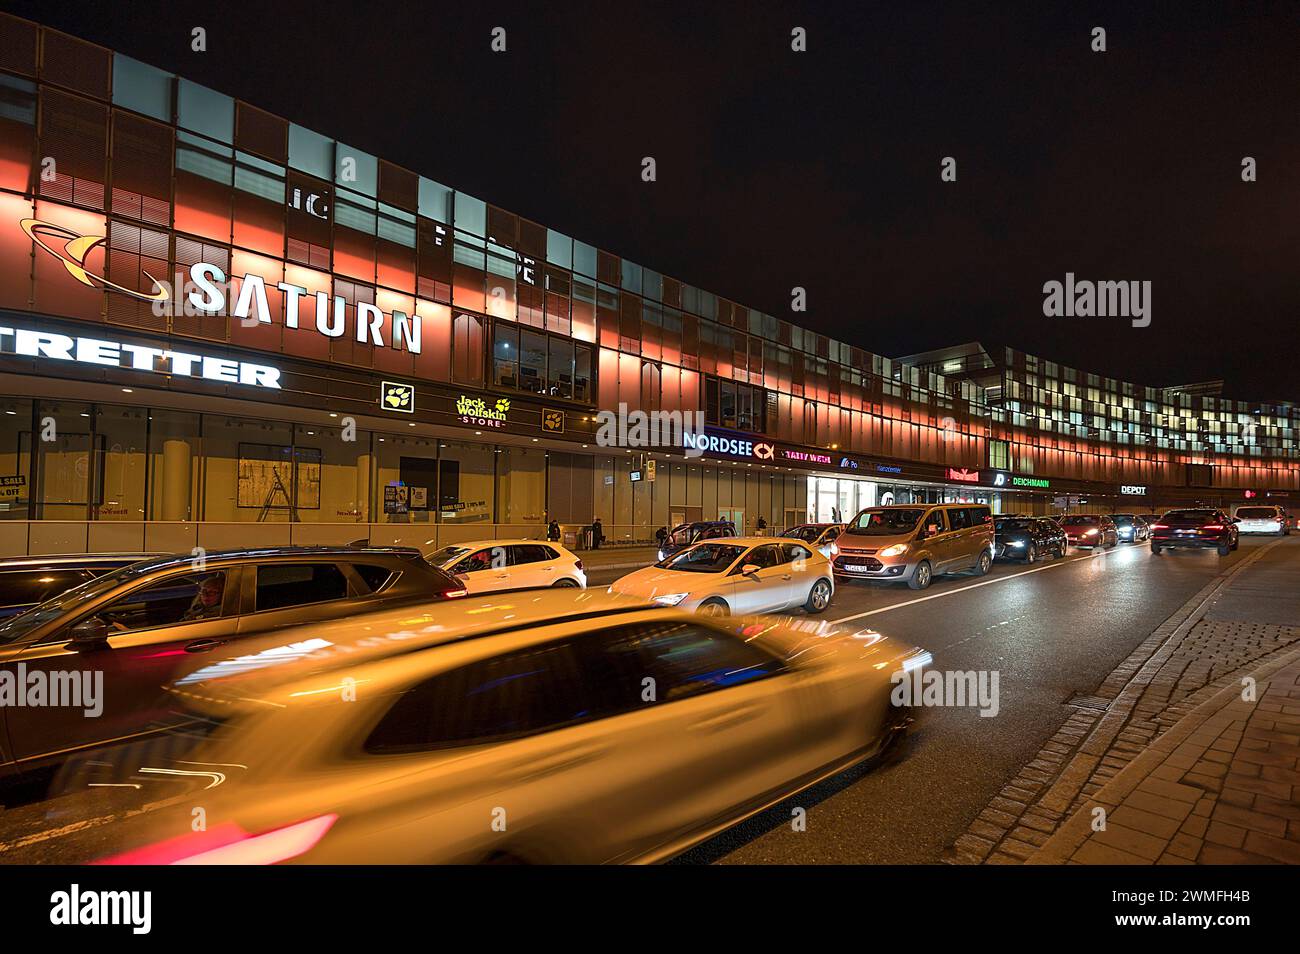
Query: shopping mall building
[218, 328]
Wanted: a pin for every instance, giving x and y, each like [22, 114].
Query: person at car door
[553, 532]
[207, 601]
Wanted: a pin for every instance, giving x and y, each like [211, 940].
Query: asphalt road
[1050, 631]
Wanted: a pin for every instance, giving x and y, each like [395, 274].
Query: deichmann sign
[210, 296]
[107, 353]
[1002, 479]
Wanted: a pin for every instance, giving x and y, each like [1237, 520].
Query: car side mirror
[89, 634]
[750, 569]
[1236, 520]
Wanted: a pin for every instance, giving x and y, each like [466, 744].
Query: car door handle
[787, 577]
[565, 758]
[725, 720]
[203, 645]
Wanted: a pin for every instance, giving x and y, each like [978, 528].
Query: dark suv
[688, 533]
[1203, 527]
[1027, 538]
[110, 644]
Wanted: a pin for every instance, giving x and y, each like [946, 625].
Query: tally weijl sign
[210, 292]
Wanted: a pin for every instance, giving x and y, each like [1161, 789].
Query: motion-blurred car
[27, 581]
[1199, 528]
[1263, 519]
[1027, 538]
[136, 628]
[1130, 528]
[485, 566]
[820, 536]
[735, 576]
[688, 534]
[542, 727]
[914, 543]
[1089, 530]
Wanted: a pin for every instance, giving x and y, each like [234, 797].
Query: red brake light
[1212, 526]
[231, 845]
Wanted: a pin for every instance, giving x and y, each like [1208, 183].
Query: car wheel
[984, 563]
[714, 607]
[1155, 549]
[1224, 549]
[819, 597]
[564, 583]
[1031, 555]
[922, 577]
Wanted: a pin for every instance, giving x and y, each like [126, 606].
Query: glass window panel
[311, 152]
[205, 111]
[435, 200]
[559, 249]
[471, 214]
[142, 87]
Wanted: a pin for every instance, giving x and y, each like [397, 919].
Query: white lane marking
[963, 589]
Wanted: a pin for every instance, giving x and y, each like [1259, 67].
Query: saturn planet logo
[73, 256]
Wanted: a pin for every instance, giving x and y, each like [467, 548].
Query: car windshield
[886, 523]
[705, 558]
[18, 626]
[807, 533]
[446, 555]
[1257, 513]
[1080, 521]
[1013, 525]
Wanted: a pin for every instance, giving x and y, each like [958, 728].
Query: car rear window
[1191, 515]
[1257, 513]
[376, 577]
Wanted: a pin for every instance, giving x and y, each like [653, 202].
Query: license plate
[855, 568]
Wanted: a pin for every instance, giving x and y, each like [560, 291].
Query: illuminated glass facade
[343, 272]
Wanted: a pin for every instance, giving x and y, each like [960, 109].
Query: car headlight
[661, 556]
[670, 599]
[1090, 533]
[896, 550]
[1016, 543]
[834, 550]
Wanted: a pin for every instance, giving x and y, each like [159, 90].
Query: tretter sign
[110, 353]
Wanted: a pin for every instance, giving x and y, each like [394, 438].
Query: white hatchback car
[819, 535]
[734, 576]
[488, 566]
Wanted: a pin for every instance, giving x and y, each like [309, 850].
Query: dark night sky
[821, 169]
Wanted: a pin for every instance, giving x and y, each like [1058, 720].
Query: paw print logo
[503, 405]
[398, 397]
[553, 421]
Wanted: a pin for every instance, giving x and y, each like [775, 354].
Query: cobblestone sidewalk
[1189, 660]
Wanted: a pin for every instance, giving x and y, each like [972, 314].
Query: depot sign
[108, 353]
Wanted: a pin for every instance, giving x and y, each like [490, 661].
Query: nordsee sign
[105, 352]
[715, 444]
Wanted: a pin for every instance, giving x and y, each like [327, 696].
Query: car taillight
[234, 846]
[1212, 526]
[1159, 526]
[453, 594]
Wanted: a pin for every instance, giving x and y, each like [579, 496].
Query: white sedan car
[819, 535]
[734, 576]
[489, 566]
